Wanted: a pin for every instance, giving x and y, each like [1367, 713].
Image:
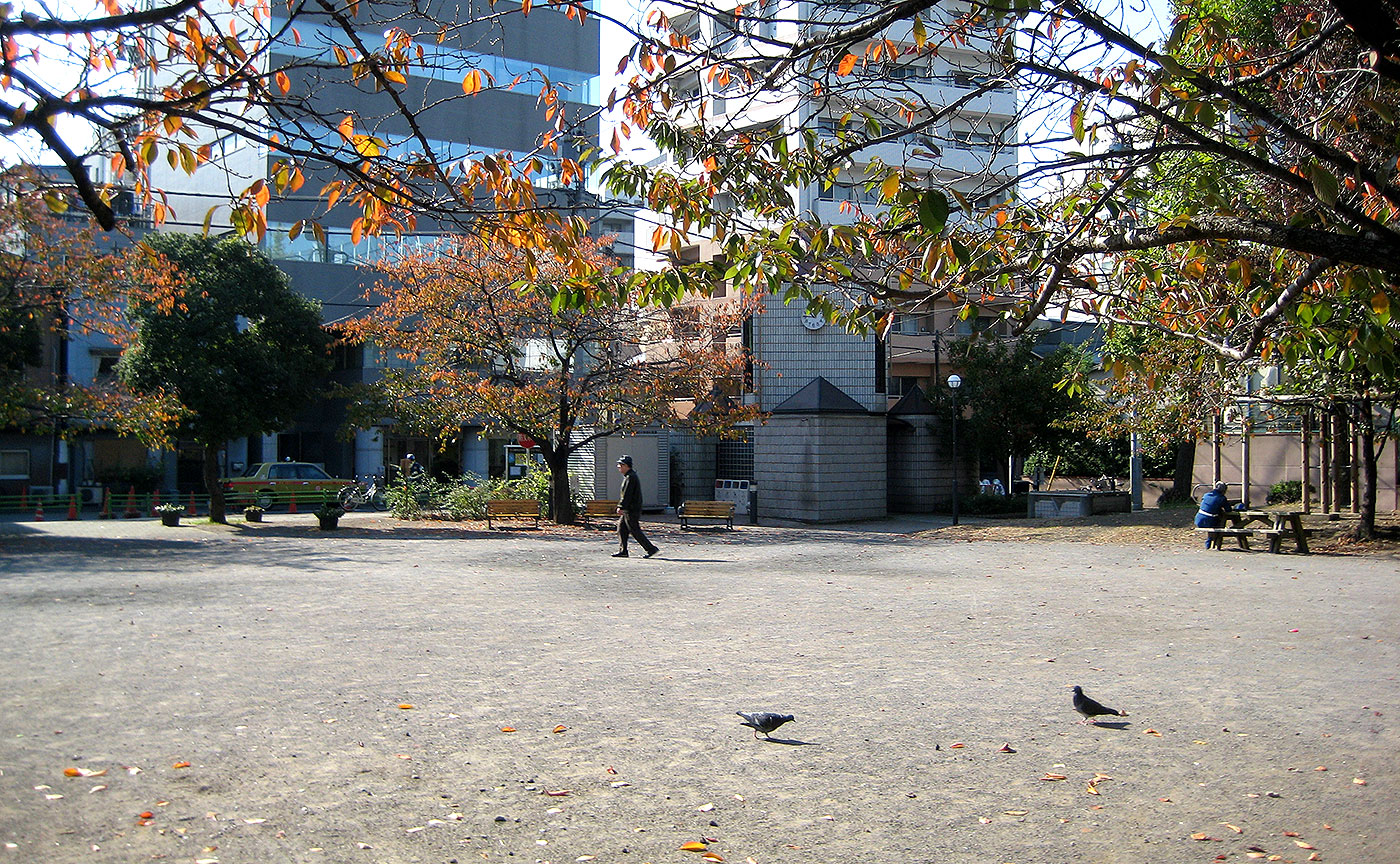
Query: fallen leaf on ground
[1237, 829]
[618, 784]
[96, 789]
[405, 705]
[1092, 789]
[180, 765]
[1006, 748]
[1358, 781]
[693, 846]
[611, 770]
[1303, 844]
[984, 820]
[1314, 857]
[560, 728]
[558, 793]
[132, 769]
[253, 821]
[1152, 732]
[507, 728]
[1015, 812]
[712, 856]
[1200, 836]
[1099, 775]
[1320, 768]
[707, 808]
[1054, 777]
[955, 745]
[1292, 834]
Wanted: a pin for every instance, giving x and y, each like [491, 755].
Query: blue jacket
[1213, 503]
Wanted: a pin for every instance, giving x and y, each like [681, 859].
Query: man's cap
[411, 456]
[1221, 486]
[625, 460]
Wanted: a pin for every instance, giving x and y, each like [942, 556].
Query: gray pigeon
[764, 721]
[1091, 709]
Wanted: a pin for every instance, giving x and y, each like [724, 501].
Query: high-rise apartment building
[843, 407]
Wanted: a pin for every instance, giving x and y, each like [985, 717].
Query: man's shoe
[619, 555]
[651, 553]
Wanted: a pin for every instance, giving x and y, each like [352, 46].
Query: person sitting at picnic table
[1213, 506]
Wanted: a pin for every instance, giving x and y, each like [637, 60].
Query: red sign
[526, 441]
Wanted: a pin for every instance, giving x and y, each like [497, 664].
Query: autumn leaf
[405, 705]
[1054, 777]
[1235, 828]
[1092, 788]
[712, 856]
[507, 728]
[694, 846]
[180, 765]
[1152, 732]
[560, 728]
[1358, 781]
[558, 793]
[1303, 844]
[848, 63]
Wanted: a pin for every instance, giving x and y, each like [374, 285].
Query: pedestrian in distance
[629, 510]
[1213, 506]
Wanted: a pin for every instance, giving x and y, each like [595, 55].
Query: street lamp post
[954, 382]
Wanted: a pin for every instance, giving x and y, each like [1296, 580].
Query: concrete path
[278, 694]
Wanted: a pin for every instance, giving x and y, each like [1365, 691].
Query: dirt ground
[439, 693]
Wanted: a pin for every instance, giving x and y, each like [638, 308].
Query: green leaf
[933, 211]
[1324, 185]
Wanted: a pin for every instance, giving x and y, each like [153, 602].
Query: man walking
[629, 510]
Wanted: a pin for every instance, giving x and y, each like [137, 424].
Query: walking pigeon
[1091, 709]
[764, 721]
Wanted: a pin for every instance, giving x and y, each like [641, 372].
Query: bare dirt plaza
[277, 694]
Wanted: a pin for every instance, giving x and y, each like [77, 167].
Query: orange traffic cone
[39, 510]
[24, 498]
[292, 507]
[189, 508]
[106, 504]
[155, 501]
[131, 512]
[72, 506]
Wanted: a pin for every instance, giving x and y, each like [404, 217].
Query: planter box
[1075, 505]
[329, 523]
[170, 520]
[252, 517]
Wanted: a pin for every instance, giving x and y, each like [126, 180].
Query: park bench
[1298, 535]
[1241, 535]
[601, 509]
[513, 509]
[690, 510]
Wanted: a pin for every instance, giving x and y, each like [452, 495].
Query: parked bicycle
[360, 494]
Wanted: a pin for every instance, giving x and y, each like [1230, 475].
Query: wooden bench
[706, 510]
[601, 509]
[512, 509]
[1241, 535]
[1298, 536]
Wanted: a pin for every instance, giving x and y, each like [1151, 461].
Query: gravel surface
[272, 693]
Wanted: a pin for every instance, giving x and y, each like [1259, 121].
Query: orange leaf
[1235, 828]
[560, 728]
[405, 705]
[1092, 789]
[848, 63]
[1152, 732]
[507, 728]
[145, 814]
[1054, 777]
[180, 765]
[693, 846]
[72, 772]
[955, 745]
[712, 856]
[1302, 844]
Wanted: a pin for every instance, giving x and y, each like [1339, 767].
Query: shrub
[465, 497]
[1286, 492]
[993, 505]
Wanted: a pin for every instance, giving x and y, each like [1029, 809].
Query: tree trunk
[211, 484]
[1365, 431]
[561, 499]
[1183, 464]
[1341, 458]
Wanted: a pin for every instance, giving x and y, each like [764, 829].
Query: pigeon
[764, 721]
[1091, 709]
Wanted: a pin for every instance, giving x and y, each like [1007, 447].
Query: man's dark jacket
[630, 497]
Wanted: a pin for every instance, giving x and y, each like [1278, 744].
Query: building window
[14, 464]
[105, 365]
[879, 365]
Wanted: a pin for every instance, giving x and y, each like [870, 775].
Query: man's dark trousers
[630, 522]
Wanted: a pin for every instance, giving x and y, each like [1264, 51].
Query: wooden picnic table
[1282, 524]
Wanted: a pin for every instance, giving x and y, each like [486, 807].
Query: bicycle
[358, 494]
